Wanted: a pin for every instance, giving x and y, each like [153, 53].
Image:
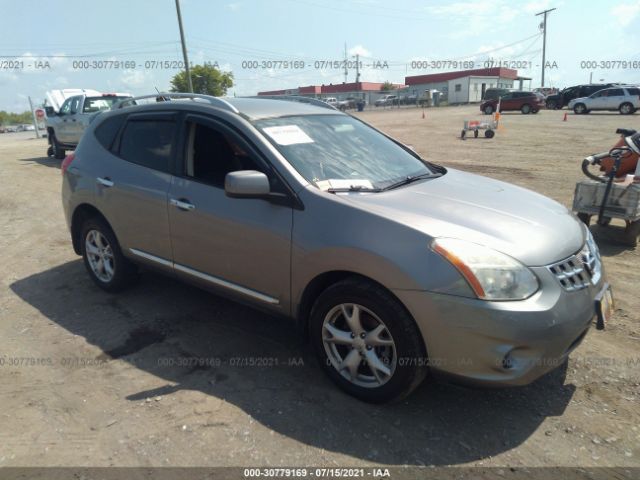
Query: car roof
[261, 108]
[251, 108]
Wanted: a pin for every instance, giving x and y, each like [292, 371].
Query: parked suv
[563, 98]
[393, 266]
[65, 127]
[624, 99]
[386, 101]
[495, 93]
[526, 102]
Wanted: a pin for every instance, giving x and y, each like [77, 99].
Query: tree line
[10, 118]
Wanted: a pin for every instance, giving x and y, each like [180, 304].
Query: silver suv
[393, 266]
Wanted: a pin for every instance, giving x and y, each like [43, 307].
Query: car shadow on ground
[45, 161]
[161, 321]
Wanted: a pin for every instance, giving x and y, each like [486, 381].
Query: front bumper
[502, 343]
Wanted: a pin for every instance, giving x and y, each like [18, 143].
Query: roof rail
[297, 98]
[166, 97]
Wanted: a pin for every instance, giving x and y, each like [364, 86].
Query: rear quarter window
[107, 130]
[633, 91]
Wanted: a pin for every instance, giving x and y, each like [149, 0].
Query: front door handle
[182, 204]
[105, 182]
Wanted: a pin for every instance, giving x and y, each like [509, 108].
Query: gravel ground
[92, 379]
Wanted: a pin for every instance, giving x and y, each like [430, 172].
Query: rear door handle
[105, 182]
[182, 204]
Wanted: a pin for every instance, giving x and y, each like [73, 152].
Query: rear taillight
[66, 162]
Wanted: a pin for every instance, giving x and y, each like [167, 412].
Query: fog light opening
[507, 362]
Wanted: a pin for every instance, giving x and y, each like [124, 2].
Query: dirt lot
[92, 379]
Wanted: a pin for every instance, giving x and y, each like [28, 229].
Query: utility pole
[346, 72]
[33, 115]
[544, 39]
[357, 67]
[184, 48]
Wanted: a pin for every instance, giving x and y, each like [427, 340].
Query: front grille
[577, 271]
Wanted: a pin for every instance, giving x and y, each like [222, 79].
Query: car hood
[523, 224]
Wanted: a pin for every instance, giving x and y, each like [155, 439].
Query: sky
[52, 44]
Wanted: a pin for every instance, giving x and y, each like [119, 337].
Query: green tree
[387, 86]
[206, 79]
[10, 118]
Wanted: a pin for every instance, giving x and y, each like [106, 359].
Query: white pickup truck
[68, 113]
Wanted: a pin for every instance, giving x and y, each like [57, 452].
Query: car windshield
[338, 151]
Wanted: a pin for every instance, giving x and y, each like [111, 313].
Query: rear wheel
[526, 109]
[551, 104]
[488, 110]
[367, 342]
[626, 109]
[475, 133]
[631, 234]
[102, 256]
[463, 133]
[489, 133]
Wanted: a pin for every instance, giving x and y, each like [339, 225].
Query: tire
[50, 151]
[488, 110]
[525, 109]
[631, 234]
[57, 150]
[551, 105]
[580, 109]
[626, 109]
[475, 133]
[463, 133]
[370, 308]
[489, 133]
[584, 218]
[97, 234]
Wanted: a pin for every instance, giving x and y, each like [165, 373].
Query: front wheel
[103, 259]
[488, 110]
[551, 104]
[367, 342]
[57, 150]
[579, 109]
[526, 109]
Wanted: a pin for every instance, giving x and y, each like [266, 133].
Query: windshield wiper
[410, 179]
[353, 188]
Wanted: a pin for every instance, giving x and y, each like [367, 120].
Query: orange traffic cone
[564, 119]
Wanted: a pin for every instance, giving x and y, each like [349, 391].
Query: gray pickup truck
[66, 126]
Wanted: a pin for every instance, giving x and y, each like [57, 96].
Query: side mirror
[246, 184]
[50, 111]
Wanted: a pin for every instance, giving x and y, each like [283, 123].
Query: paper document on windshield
[339, 183]
[288, 135]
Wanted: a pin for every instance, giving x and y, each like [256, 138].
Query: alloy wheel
[359, 345]
[100, 256]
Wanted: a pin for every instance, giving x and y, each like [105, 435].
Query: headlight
[492, 275]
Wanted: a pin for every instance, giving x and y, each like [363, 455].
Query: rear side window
[148, 143]
[106, 132]
[633, 91]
